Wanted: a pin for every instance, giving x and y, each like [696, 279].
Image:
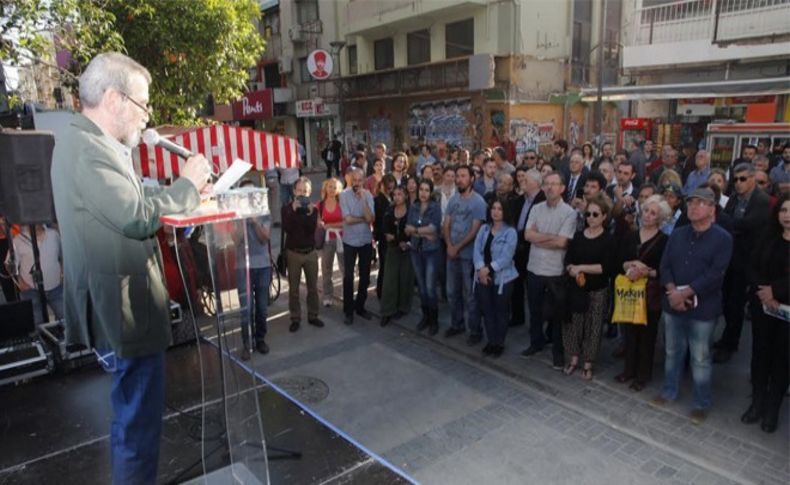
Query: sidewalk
[446, 414]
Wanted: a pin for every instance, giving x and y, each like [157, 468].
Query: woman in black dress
[641, 252]
[770, 336]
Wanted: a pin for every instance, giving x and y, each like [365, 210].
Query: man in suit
[115, 297]
[575, 175]
[749, 209]
[529, 181]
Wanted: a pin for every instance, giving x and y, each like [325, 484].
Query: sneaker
[294, 326]
[316, 322]
[327, 302]
[452, 332]
[261, 347]
[698, 416]
[659, 402]
[531, 350]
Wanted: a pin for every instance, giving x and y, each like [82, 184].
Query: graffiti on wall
[529, 135]
[441, 121]
[380, 130]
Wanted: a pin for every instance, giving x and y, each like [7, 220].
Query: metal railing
[412, 80]
[714, 20]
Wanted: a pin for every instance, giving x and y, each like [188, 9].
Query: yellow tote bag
[630, 301]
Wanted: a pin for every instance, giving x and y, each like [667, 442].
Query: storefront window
[721, 151]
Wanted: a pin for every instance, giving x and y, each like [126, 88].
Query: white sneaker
[327, 302]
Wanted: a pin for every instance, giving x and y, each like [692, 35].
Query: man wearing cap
[674, 197]
[749, 209]
[692, 273]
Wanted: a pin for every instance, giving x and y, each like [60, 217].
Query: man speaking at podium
[115, 296]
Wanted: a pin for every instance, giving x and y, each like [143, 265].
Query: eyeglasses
[740, 179]
[145, 107]
[762, 182]
[591, 214]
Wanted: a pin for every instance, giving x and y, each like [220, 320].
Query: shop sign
[255, 105]
[311, 108]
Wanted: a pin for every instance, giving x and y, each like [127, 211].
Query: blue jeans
[460, 275]
[138, 398]
[426, 265]
[258, 309]
[54, 301]
[496, 310]
[682, 335]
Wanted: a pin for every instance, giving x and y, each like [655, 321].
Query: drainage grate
[306, 389]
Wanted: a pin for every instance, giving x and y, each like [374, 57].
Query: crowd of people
[500, 237]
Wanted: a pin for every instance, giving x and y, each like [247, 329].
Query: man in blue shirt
[466, 211]
[692, 273]
[356, 204]
[700, 174]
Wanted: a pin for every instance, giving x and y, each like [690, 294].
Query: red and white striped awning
[221, 144]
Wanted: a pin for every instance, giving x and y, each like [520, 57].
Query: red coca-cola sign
[255, 105]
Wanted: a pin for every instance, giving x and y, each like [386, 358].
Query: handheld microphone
[151, 137]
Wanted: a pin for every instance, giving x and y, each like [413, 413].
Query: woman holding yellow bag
[641, 252]
[589, 261]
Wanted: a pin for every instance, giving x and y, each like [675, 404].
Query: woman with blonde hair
[669, 177]
[331, 219]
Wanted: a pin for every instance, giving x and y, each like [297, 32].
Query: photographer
[299, 223]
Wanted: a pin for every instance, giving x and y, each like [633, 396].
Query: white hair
[664, 211]
[535, 175]
[110, 70]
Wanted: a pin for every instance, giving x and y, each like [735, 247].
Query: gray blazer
[114, 290]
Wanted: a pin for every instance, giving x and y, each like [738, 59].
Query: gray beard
[132, 139]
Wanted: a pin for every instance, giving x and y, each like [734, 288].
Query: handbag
[320, 231]
[630, 301]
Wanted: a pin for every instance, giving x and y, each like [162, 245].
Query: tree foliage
[192, 48]
[29, 27]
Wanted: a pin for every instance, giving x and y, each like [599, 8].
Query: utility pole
[601, 46]
[337, 46]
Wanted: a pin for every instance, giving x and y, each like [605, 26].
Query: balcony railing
[719, 21]
[413, 80]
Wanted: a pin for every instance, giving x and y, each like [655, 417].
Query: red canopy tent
[220, 144]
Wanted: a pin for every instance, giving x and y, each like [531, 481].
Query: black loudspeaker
[25, 181]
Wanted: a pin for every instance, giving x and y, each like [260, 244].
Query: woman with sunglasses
[641, 252]
[495, 271]
[589, 262]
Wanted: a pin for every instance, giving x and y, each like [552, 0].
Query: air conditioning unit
[285, 65]
[296, 35]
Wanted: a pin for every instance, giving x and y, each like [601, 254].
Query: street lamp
[337, 46]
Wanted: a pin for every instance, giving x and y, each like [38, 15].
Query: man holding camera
[299, 223]
[356, 203]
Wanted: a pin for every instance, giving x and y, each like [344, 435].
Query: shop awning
[221, 144]
[714, 89]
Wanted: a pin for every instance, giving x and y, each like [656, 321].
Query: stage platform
[55, 430]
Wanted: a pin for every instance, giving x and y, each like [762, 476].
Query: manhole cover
[307, 389]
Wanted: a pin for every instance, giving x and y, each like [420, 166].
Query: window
[352, 59]
[270, 23]
[459, 39]
[306, 11]
[306, 77]
[383, 52]
[271, 76]
[418, 47]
